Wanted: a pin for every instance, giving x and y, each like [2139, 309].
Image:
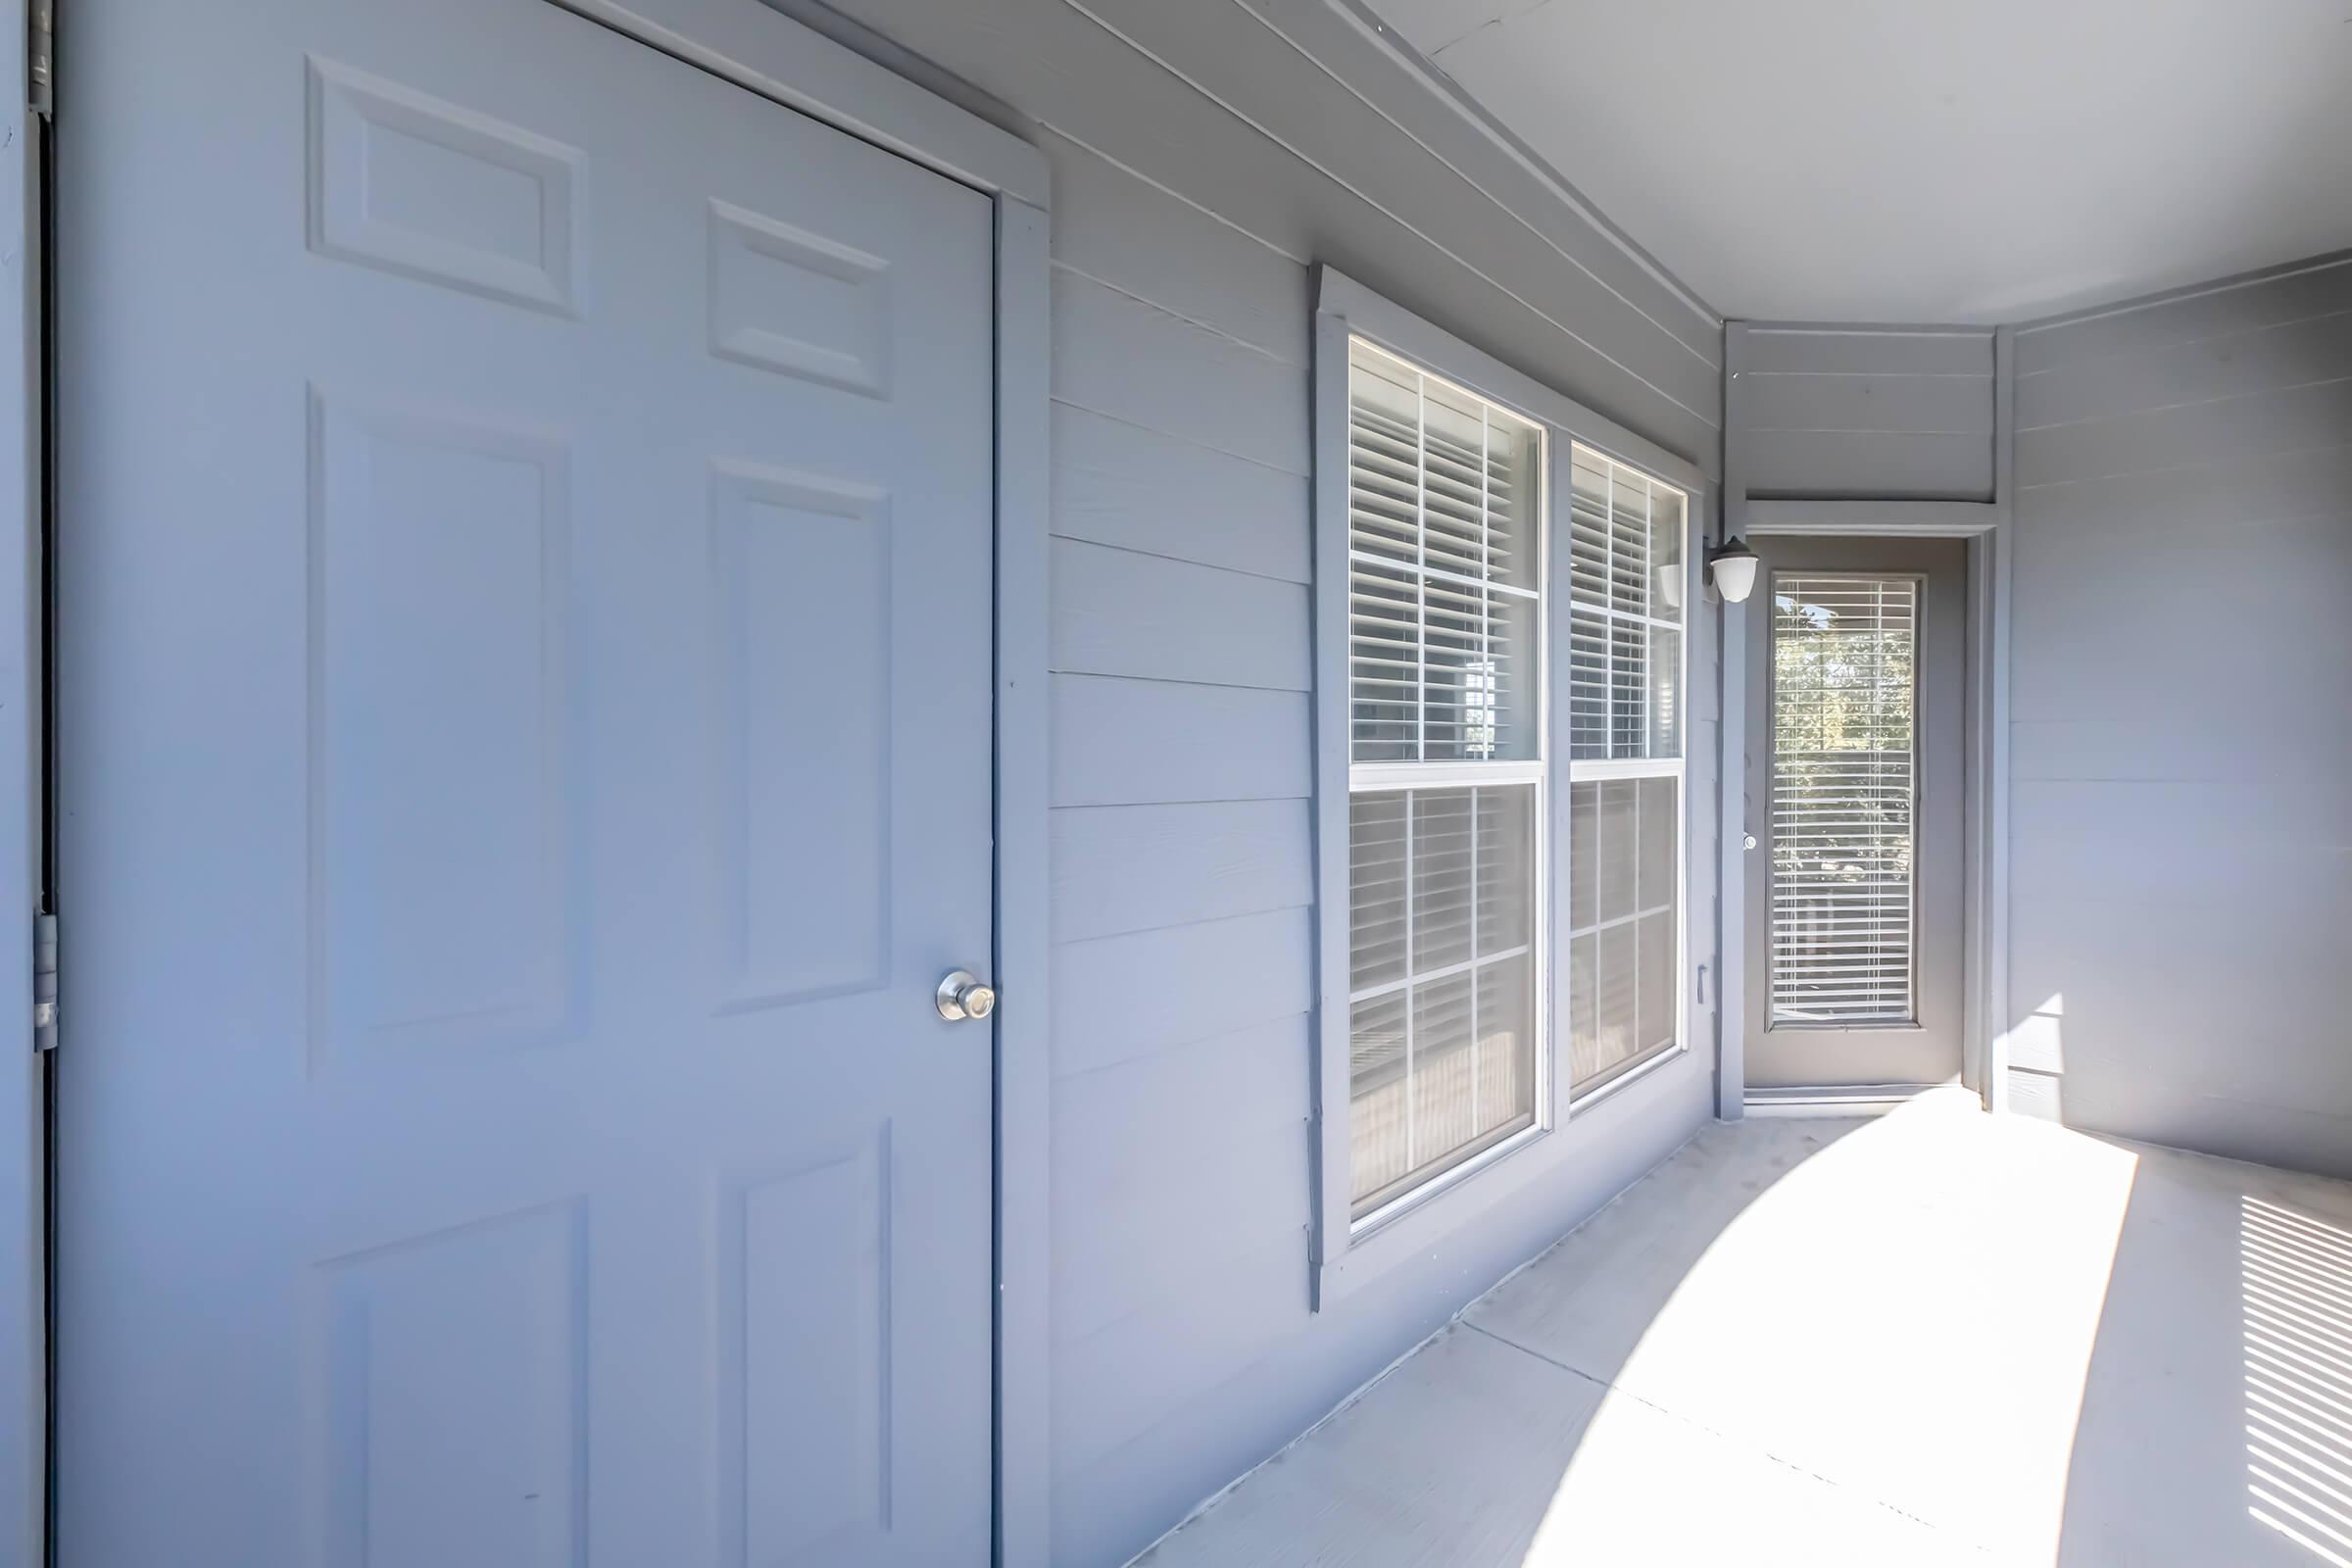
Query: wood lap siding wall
[1202, 161]
[2180, 738]
[1867, 412]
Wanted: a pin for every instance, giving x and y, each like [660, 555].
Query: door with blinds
[1855, 761]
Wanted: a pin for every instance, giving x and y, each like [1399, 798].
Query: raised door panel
[529, 727]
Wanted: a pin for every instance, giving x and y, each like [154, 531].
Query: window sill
[1396, 1208]
[1424, 1224]
[1631, 1075]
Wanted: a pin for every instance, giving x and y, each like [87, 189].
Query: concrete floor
[1936, 1337]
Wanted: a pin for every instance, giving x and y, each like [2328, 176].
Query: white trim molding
[758, 47]
[1858, 1100]
[1988, 527]
[23, 1083]
[1345, 1254]
[1394, 327]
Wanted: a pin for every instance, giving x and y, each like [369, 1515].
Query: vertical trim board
[1024, 1456]
[1730, 784]
[23, 1080]
[1328, 1130]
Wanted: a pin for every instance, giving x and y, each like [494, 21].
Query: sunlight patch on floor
[1932, 1261]
[2296, 1280]
[1938, 1337]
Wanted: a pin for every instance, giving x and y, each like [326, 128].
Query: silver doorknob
[961, 996]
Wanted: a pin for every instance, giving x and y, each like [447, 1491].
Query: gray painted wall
[1202, 160]
[2182, 705]
[1866, 412]
[2180, 845]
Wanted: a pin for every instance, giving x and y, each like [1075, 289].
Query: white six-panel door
[524, 731]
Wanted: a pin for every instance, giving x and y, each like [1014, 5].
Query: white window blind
[1446, 778]
[1444, 556]
[1843, 798]
[1625, 616]
[1626, 580]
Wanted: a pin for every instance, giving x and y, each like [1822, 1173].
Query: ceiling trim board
[2189, 291]
[1366, 20]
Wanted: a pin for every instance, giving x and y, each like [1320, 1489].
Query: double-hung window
[1626, 583]
[1482, 678]
[1445, 776]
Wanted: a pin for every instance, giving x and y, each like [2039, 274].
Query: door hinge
[44, 982]
[40, 60]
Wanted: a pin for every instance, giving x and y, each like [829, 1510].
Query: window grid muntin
[1417, 1171]
[1420, 774]
[1486, 687]
[1641, 910]
[1585, 605]
[1617, 765]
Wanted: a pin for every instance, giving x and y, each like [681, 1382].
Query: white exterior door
[524, 720]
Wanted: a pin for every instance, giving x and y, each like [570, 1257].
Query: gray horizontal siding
[1136, 868]
[1122, 484]
[1372, 66]
[2257, 423]
[1213, 102]
[1140, 743]
[1866, 412]
[1246, 1382]
[1208, 978]
[1124, 1378]
[2260, 358]
[1155, 245]
[1230, 1113]
[1248, 61]
[1202, 161]
[2180, 736]
[1117, 612]
[1827, 349]
[1872, 465]
[1205, 386]
[2290, 295]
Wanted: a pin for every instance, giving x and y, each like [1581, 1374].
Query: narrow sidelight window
[1626, 581]
[1844, 768]
[1446, 776]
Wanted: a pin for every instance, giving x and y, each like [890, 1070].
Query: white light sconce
[1732, 567]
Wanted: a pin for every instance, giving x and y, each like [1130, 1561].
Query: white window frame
[1346, 1252]
[1597, 770]
[1411, 778]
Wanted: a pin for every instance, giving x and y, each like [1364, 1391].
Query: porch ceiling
[1958, 160]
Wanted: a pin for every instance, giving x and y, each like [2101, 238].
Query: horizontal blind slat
[1843, 780]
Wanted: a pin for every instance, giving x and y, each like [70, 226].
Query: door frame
[24, 1084]
[1988, 527]
[755, 46]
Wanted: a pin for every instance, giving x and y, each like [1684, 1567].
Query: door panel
[1796, 1044]
[525, 721]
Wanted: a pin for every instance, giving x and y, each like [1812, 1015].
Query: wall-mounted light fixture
[1732, 567]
